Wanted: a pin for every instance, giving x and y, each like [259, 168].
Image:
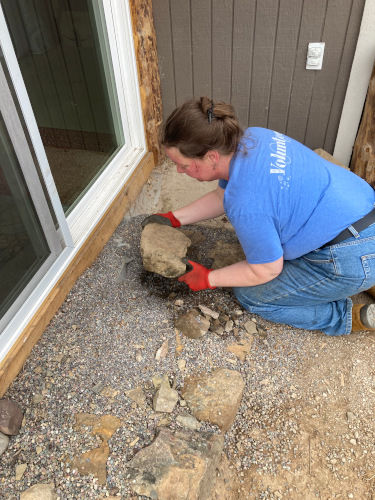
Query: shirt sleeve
[259, 238]
[223, 183]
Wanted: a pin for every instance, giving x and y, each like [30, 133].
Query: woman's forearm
[245, 274]
[208, 206]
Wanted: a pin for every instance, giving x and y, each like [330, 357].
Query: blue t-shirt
[284, 199]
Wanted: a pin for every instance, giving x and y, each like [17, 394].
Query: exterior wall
[253, 54]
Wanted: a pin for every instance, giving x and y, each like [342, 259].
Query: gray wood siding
[252, 53]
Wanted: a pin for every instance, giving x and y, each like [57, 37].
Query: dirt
[326, 412]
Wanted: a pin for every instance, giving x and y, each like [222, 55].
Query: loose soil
[305, 426]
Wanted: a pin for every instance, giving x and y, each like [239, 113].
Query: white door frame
[75, 228]
[363, 63]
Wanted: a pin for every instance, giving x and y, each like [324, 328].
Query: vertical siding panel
[337, 17]
[243, 34]
[201, 34]
[311, 31]
[264, 47]
[222, 21]
[344, 73]
[164, 42]
[181, 36]
[284, 61]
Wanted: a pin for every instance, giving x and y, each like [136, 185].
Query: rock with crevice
[162, 250]
[192, 324]
[214, 397]
[179, 465]
[10, 417]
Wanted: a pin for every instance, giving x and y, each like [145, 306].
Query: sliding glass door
[71, 134]
[62, 51]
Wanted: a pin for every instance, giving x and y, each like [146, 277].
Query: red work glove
[197, 279]
[167, 219]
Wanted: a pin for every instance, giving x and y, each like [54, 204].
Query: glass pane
[23, 247]
[61, 50]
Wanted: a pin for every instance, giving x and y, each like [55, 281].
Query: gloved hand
[197, 279]
[168, 219]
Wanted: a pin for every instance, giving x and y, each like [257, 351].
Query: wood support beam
[363, 159]
[148, 73]
[16, 357]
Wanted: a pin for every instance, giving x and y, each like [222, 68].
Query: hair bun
[220, 109]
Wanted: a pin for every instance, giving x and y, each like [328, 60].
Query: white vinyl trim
[363, 63]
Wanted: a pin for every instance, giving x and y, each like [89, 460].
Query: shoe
[363, 317]
[371, 292]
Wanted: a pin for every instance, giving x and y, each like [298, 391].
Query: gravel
[106, 336]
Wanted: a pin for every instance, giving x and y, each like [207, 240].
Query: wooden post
[148, 73]
[363, 159]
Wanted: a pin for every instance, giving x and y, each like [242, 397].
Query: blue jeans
[312, 291]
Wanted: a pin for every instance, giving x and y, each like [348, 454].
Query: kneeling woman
[307, 227]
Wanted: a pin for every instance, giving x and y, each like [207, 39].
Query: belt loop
[353, 231]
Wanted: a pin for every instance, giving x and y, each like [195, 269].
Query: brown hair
[202, 125]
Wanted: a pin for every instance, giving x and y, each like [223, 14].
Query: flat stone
[40, 492]
[192, 324]
[214, 397]
[10, 417]
[93, 462]
[160, 379]
[20, 470]
[162, 248]
[225, 254]
[137, 395]
[165, 399]
[241, 349]
[179, 465]
[188, 421]
[4, 443]
[209, 312]
[104, 426]
[250, 327]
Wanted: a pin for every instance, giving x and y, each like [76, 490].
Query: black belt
[359, 226]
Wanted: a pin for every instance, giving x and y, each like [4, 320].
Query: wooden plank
[303, 80]
[162, 20]
[363, 159]
[222, 25]
[242, 59]
[344, 73]
[284, 62]
[13, 362]
[335, 27]
[182, 49]
[201, 44]
[264, 48]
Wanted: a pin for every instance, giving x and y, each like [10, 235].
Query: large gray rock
[10, 417]
[40, 492]
[162, 248]
[179, 465]
[214, 397]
